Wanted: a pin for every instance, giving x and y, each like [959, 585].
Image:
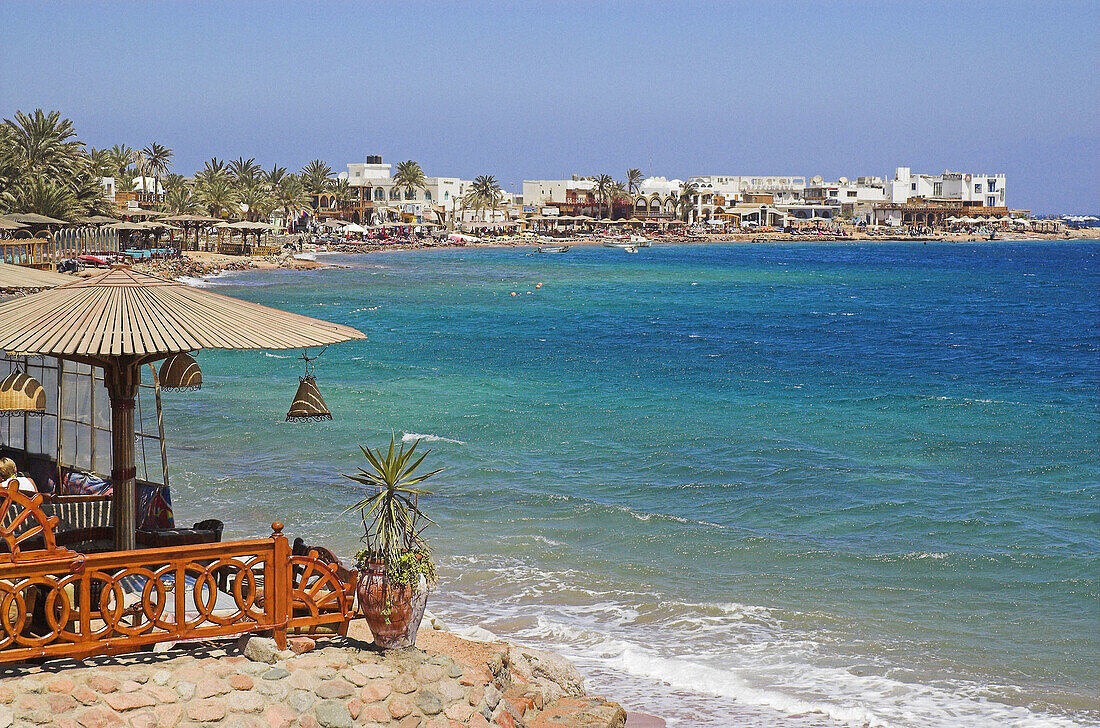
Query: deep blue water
[816, 484]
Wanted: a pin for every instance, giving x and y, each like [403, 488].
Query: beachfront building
[143, 192]
[557, 197]
[969, 190]
[375, 196]
[656, 198]
[718, 192]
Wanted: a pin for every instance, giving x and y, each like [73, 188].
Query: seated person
[9, 471]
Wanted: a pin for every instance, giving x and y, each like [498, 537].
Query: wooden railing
[55, 602]
[33, 252]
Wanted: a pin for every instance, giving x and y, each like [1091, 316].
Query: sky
[546, 90]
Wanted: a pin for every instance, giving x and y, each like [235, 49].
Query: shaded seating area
[91, 559]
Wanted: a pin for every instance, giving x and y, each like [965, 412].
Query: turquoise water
[828, 484]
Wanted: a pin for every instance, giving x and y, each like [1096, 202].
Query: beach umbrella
[33, 218]
[6, 224]
[141, 212]
[353, 228]
[122, 320]
[97, 220]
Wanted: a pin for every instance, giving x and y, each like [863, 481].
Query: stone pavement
[334, 682]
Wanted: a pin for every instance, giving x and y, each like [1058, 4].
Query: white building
[541, 192]
[978, 190]
[374, 180]
[716, 192]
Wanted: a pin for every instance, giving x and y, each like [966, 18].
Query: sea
[831, 484]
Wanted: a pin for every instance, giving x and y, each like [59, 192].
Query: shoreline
[204, 265]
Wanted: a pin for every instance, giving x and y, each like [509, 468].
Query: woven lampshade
[21, 394]
[180, 372]
[308, 404]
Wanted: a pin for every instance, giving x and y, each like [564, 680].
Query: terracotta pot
[392, 613]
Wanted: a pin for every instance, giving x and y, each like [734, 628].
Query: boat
[630, 249]
[612, 243]
[640, 241]
[553, 248]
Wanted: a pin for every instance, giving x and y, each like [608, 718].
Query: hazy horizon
[545, 91]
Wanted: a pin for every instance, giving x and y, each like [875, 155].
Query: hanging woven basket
[180, 372]
[21, 394]
[308, 404]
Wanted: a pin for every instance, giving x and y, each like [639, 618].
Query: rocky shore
[324, 681]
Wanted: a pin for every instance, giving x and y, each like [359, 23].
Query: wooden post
[281, 585]
[121, 376]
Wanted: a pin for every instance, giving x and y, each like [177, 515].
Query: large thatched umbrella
[122, 320]
[6, 224]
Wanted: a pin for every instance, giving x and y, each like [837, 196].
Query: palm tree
[484, 192]
[315, 177]
[218, 195]
[291, 196]
[44, 143]
[408, 176]
[121, 157]
[244, 171]
[44, 168]
[179, 200]
[275, 176]
[257, 198]
[101, 162]
[685, 202]
[157, 160]
[604, 185]
[341, 191]
[173, 181]
[211, 169]
[634, 179]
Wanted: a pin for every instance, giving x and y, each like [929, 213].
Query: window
[991, 185]
[851, 193]
[978, 188]
[446, 195]
[379, 194]
[913, 186]
[991, 201]
[395, 194]
[410, 194]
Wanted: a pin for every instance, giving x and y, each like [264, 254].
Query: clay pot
[392, 613]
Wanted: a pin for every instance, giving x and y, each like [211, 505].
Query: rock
[84, 695]
[492, 695]
[186, 690]
[404, 683]
[580, 712]
[211, 687]
[276, 673]
[61, 685]
[122, 702]
[375, 714]
[278, 716]
[355, 707]
[547, 667]
[399, 707]
[428, 702]
[301, 645]
[247, 703]
[460, 712]
[450, 691]
[7, 717]
[241, 682]
[160, 677]
[429, 674]
[375, 691]
[99, 717]
[301, 700]
[259, 649]
[455, 671]
[102, 683]
[331, 689]
[206, 711]
[333, 714]
[371, 670]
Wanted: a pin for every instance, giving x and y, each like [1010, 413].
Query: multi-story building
[717, 192]
[375, 195]
[971, 190]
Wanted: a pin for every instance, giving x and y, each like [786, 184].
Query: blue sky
[545, 90]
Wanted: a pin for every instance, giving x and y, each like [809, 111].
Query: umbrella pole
[121, 377]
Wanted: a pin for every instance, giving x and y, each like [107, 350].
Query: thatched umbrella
[6, 224]
[121, 320]
[33, 218]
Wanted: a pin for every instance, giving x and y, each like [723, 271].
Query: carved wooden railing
[55, 602]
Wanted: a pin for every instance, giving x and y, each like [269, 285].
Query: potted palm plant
[395, 566]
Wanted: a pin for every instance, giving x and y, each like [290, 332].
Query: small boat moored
[553, 248]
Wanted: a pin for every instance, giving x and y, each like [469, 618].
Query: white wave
[269, 355]
[195, 282]
[413, 436]
[476, 634]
